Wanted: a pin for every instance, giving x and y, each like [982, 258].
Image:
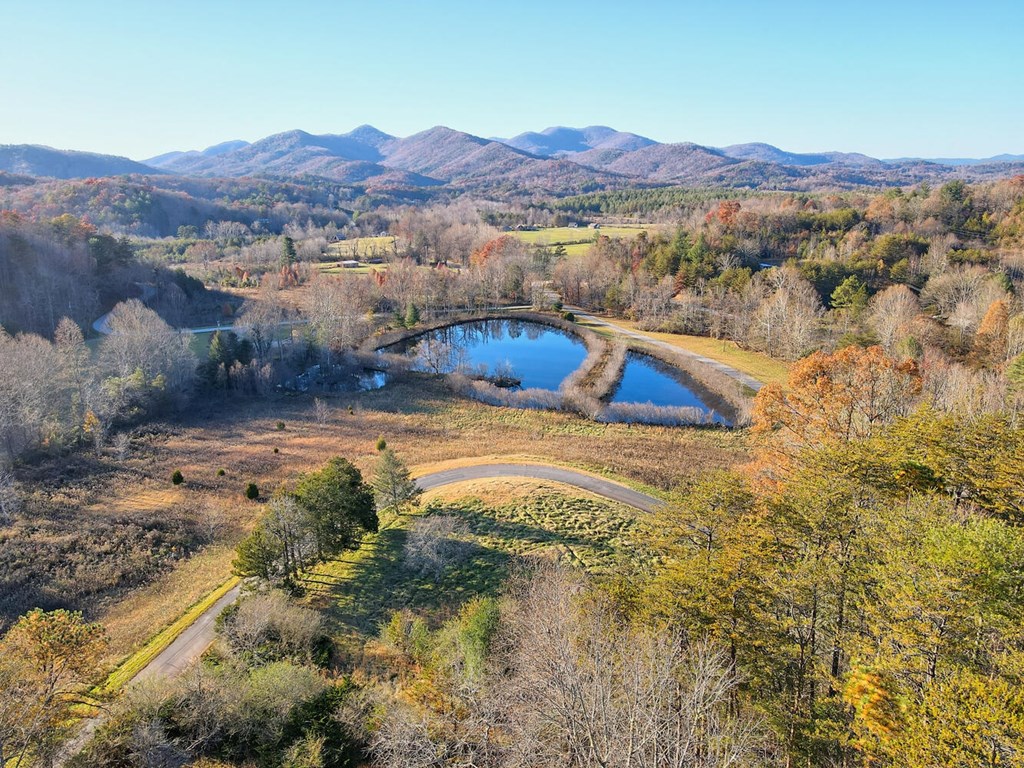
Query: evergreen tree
[288, 254]
[257, 555]
[412, 316]
[392, 484]
[340, 506]
[850, 295]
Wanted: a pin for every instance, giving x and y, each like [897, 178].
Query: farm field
[333, 268]
[497, 521]
[362, 247]
[575, 239]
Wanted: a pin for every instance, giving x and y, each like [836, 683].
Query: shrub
[381, 443]
[252, 491]
[277, 450]
[221, 473]
[569, 316]
[177, 478]
[280, 426]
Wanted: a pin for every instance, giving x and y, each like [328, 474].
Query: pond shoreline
[587, 390]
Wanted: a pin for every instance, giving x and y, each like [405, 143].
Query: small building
[350, 264]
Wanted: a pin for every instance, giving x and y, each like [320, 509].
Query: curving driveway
[191, 643]
[597, 485]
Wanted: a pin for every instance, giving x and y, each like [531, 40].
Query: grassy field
[336, 269]
[362, 247]
[85, 496]
[762, 367]
[574, 235]
[501, 520]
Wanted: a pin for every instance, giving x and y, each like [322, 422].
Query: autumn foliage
[493, 248]
[840, 396]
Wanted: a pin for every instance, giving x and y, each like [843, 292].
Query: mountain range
[557, 160]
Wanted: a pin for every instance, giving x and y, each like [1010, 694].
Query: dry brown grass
[131, 621]
[419, 418]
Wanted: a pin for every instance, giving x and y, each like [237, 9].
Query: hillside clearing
[570, 235]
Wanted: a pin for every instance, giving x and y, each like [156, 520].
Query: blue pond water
[648, 380]
[538, 355]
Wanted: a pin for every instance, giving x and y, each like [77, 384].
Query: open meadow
[570, 235]
[133, 551]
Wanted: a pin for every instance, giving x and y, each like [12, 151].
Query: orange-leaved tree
[834, 398]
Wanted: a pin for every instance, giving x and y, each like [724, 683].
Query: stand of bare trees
[570, 683]
[56, 394]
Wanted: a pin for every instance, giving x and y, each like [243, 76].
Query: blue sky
[886, 78]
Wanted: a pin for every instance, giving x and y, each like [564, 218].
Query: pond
[536, 355]
[337, 378]
[648, 380]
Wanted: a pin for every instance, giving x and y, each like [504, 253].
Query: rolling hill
[557, 160]
[562, 141]
[35, 160]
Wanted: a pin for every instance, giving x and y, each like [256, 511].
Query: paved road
[191, 643]
[739, 376]
[598, 485]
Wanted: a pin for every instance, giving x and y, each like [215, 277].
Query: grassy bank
[762, 367]
[135, 663]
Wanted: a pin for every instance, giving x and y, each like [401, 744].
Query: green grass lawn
[359, 591]
[574, 250]
[578, 237]
[362, 247]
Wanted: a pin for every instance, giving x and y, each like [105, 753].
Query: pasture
[362, 248]
[575, 239]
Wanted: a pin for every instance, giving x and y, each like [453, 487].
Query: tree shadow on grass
[376, 580]
[528, 536]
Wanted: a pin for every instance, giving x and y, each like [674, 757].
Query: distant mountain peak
[368, 134]
[557, 160]
[561, 141]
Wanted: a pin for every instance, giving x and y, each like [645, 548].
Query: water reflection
[648, 380]
[533, 354]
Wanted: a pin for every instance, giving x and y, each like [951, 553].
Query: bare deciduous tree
[321, 411]
[892, 314]
[432, 544]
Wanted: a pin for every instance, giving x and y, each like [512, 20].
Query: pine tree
[412, 316]
[850, 295]
[257, 555]
[392, 484]
[340, 506]
[288, 254]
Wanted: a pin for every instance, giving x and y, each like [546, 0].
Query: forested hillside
[833, 579]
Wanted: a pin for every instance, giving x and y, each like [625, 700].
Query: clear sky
[141, 77]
